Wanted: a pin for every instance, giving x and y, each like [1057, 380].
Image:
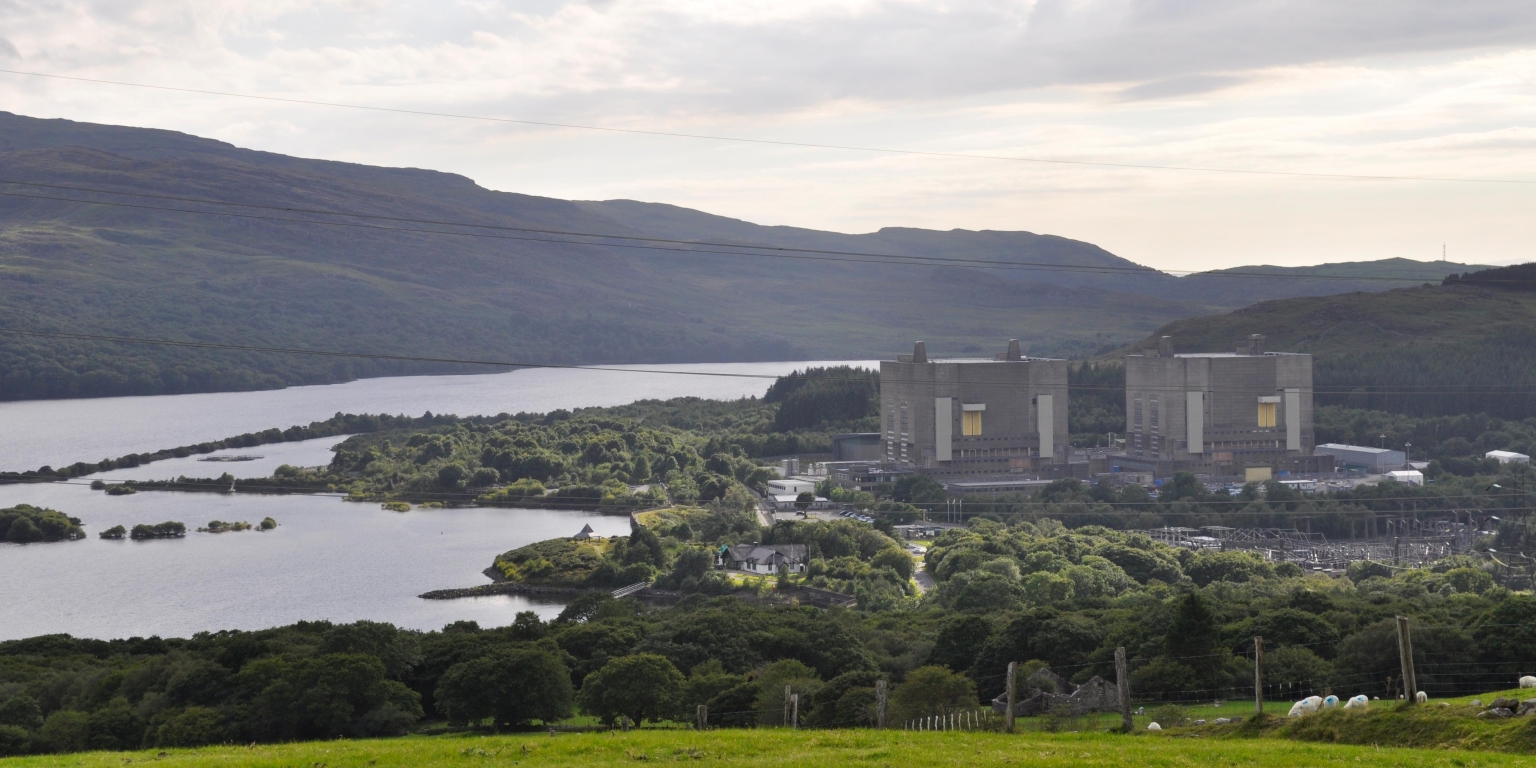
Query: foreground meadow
[762, 748]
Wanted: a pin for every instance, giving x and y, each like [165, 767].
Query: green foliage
[26, 524]
[512, 686]
[931, 691]
[823, 398]
[641, 687]
[166, 530]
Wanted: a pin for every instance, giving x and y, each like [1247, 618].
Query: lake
[328, 559]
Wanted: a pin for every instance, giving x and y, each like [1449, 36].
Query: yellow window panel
[970, 426]
[1267, 414]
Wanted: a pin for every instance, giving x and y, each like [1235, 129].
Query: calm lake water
[328, 559]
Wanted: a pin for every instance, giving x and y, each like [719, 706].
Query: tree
[641, 687]
[1194, 631]
[896, 560]
[804, 501]
[931, 691]
[514, 686]
[919, 489]
[959, 641]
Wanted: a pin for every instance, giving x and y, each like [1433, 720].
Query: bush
[194, 727]
[14, 740]
[642, 687]
[514, 686]
[932, 691]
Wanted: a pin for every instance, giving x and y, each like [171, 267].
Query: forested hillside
[264, 264]
[1468, 346]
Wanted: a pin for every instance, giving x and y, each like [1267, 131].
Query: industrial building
[974, 417]
[1375, 461]
[1223, 413]
[1508, 457]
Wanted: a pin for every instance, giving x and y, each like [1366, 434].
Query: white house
[1508, 457]
[790, 486]
[764, 558]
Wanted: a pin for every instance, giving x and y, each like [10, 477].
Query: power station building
[974, 417]
[1221, 413]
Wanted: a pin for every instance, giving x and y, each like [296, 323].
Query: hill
[147, 256]
[1235, 287]
[1450, 342]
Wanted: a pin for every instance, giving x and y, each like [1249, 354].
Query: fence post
[879, 703]
[788, 692]
[794, 710]
[1123, 685]
[624, 721]
[1258, 675]
[1012, 667]
[703, 717]
[1405, 650]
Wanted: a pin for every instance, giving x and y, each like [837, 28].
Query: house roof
[768, 554]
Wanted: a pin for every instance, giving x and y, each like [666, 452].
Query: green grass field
[1388, 734]
[759, 748]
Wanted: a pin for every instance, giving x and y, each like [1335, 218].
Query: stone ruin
[1045, 691]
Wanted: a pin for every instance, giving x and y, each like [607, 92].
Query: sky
[1421, 88]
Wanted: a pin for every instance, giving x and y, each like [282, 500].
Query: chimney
[1013, 350]
[1165, 346]
[1256, 344]
[919, 353]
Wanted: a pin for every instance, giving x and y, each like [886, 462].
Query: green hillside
[271, 272]
[1468, 348]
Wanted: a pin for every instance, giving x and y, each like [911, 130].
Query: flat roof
[1359, 448]
[1228, 354]
[969, 360]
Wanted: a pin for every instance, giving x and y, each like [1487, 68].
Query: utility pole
[1405, 650]
[1123, 684]
[879, 703]
[1258, 675]
[1013, 666]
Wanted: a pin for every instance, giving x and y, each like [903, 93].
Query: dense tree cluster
[26, 524]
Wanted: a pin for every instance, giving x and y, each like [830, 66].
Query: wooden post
[1405, 650]
[1123, 685]
[1013, 667]
[1258, 675]
[879, 703]
[794, 711]
[1396, 541]
[788, 692]
[624, 721]
[703, 717]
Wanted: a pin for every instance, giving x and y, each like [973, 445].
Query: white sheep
[1154, 727]
[1528, 682]
[1421, 697]
[1357, 702]
[1330, 701]
[1306, 706]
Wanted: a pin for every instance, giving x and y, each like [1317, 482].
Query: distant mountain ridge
[157, 271]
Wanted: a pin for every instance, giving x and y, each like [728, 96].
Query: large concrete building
[1219, 413]
[974, 416]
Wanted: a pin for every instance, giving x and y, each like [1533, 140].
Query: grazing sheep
[1154, 727]
[1330, 701]
[1306, 706]
[1421, 697]
[1357, 702]
[1528, 682]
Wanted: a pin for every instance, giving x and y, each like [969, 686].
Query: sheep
[1330, 701]
[1357, 702]
[1528, 682]
[1154, 727]
[1306, 706]
[1420, 697]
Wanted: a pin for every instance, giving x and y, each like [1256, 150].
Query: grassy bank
[758, 748]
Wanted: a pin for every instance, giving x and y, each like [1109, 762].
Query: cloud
[8, 49]
[1186, 85]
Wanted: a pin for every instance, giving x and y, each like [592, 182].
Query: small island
[166, 530]
[26, 524]
[115, 533]
[219, 526]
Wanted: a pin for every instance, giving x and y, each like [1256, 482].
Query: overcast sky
[1376, 87]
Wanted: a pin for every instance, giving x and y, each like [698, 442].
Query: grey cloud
[1186, 85]
[8, 50]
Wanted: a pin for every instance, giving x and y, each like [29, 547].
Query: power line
[1341, 389]
[776, 142]
[773, 251]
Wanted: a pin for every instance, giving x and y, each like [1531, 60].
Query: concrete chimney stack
[919, 353]
[1013, 350]
[1165, 346]
[1256, 344]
